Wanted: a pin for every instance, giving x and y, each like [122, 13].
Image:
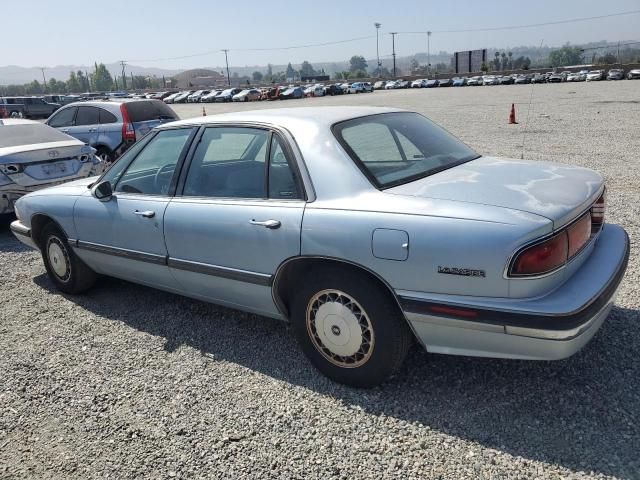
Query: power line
[368, 37]
[531, 25]
[269, 49]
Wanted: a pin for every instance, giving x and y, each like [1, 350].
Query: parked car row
[263, 93]
[516, 78]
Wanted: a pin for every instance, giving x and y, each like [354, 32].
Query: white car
[475, 81]
[420, 83]
[359, 87]
[34, 156]
[391, 85]
[574, 77]
[172, 97]
[196, 96]
[634, 74]
[595, 75]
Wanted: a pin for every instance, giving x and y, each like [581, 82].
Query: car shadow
[581, 413]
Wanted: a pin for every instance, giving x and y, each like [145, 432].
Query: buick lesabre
[365, 228]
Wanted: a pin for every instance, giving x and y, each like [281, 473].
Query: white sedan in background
[34, 156]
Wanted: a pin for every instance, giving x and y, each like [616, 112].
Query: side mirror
[102, 191]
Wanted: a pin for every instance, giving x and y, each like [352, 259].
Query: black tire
[380, 353]
[77, 277]
[105, 155]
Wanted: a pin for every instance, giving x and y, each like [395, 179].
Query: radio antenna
[526, 122]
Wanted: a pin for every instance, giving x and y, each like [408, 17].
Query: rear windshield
[396, 148]
[149, 110]
[15, 135]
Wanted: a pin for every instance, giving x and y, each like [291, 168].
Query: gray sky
[73, 32]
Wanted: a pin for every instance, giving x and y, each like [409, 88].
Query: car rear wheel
[350, 328]
[105, 155]
[65, 269]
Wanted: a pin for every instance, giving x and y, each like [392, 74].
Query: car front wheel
[65, 269]
[350, 327]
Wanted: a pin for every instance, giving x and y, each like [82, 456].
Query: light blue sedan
[365, 228]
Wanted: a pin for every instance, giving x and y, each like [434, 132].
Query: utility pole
[124, 75]
[44, 80]
[226, 59]
[393, 49]
[378, 25]
[428, 54]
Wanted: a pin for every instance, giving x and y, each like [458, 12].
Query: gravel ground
[128, 382]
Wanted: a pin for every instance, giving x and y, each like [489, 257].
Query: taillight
[128, 132]
[542, 257]
[597, 212]
[579, 234]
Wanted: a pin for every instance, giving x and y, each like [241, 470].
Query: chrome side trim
[19, 229]
[223, 272]
[123, 252]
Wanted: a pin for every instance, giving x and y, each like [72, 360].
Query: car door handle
[146, 213]
[64, 130]
[272, 224]
[93, 129]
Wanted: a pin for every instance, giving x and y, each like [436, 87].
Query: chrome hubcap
[339, 328]
[58, 259]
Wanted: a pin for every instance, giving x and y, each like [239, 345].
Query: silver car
[366, 228]
[34, 156]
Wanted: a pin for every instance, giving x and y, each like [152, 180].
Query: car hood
[555, 191]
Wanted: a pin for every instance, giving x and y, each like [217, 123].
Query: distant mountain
[13, 74]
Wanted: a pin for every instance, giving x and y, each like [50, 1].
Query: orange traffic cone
[204, 113]
[512, 115]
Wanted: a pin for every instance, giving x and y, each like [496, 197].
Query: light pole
[428, 54]
[378, 25]
[226, 59]
[393, 49]
[44, 81]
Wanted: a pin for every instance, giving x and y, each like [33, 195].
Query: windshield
[396, 148]
[15, 135]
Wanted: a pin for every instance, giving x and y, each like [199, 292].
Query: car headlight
[4, 180]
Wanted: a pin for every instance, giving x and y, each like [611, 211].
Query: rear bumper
[547, 328]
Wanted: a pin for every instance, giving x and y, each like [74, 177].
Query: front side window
[150, 173]
[396, 148]
[63, 118]
[229, 162]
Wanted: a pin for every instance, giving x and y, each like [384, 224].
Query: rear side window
[396, 148]
[63, 118]
[149, 110]
[106, 117]
[87, 116]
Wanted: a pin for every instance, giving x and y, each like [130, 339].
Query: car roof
[287, 117]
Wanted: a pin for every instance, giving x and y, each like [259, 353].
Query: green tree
[291, 73]
[607, 59]
[56, 86]
[83, 81]
[306, 69]
[257, 76]
[73, 85]
[101, 78]
[484, 67]
[357, 62]
[496, 61]
[503, 61]
[33, 88]
[510, 55]
[566, 55]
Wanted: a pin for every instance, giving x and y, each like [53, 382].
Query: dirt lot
[129, 382]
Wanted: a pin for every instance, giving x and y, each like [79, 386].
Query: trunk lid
[555, 191]
[46, 163]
